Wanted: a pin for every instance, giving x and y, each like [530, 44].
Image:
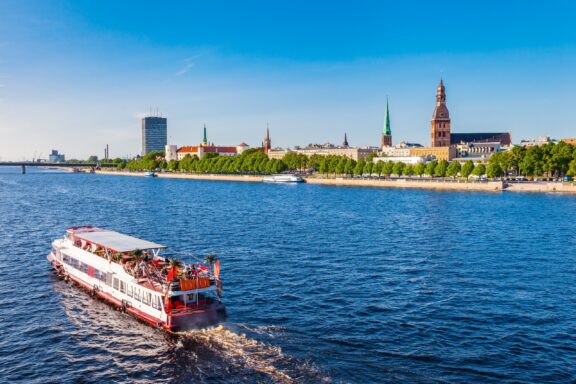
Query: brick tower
[440, 124]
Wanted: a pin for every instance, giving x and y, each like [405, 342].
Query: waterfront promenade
[432, 184]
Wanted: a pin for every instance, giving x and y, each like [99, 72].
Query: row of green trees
[342, 165]
[249, 161]
[254, 161]
[550, 160]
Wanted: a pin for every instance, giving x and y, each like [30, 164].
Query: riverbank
[432, 184]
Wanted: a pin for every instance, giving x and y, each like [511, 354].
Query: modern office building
[154, 134]
[55, 157]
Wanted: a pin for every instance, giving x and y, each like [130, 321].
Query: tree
[572, 168]
[409, 170]
[453, 169]
[173, 165]
[431, 167]
[93, 159]
[419, 169]
[377, 168]
[388, 168]
[349, 168]
[467, 169]
[359, 168]
[368, 168]
[493, 170]
[479, 170]
[441, 168]
[398, 168]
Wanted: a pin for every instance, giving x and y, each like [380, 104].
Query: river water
[322, 284]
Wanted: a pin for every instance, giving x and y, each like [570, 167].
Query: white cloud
[188, 65]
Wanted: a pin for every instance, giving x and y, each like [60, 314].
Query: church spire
[387, 131]
[205, 139]
[345, 143]
[386, 139]
[267, 144]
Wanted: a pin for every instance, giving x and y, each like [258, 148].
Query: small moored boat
[133, 275]
[150, 174]
[283, 179]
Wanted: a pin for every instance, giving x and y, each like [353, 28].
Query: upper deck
[114, 241]
[141, 260]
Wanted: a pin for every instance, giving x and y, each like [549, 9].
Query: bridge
[24, 164]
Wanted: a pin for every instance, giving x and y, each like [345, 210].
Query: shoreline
[429, 184]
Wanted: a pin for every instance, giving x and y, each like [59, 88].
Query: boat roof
[119, 242]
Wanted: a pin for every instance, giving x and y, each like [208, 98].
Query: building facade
[200, 150]
[400, 159]
[440, 124]
[154, 134]
[438, 153]
[352, 153]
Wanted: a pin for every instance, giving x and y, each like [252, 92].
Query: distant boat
[281, 179]
[150, 174]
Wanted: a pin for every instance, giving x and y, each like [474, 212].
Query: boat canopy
[115, 241]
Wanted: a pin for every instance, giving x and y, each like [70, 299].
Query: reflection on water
[127, 348]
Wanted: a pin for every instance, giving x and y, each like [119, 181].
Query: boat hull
[177, 322]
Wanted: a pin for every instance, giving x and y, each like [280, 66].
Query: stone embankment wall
[450, 185]
[542, 187]
[435, 184]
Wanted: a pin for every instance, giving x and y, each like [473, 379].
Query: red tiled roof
[188, 149]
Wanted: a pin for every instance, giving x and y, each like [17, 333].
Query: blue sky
[77, 75]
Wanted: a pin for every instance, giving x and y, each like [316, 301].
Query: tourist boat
[150, 174]
[137, 277]
[283, 179]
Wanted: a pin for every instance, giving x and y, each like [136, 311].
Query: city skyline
[77, 76]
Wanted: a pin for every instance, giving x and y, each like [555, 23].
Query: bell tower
[440, 124]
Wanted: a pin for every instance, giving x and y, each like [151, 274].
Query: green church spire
[386, 130]
[205, 140]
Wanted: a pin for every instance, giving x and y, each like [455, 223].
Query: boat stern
[199, 318]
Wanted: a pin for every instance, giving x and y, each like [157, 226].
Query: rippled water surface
[322, 284]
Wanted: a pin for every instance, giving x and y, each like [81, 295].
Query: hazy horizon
[77, 75]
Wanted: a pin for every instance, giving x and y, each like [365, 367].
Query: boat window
[156, 302]
[146, 298]
[137, 294]
[115, 284]
[130, 294]
[122, 286]
[85, 268]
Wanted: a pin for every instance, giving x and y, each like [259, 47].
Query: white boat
[150, 174]
[133, 275]
[283, 179]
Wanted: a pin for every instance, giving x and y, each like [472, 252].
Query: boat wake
[242, 356]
